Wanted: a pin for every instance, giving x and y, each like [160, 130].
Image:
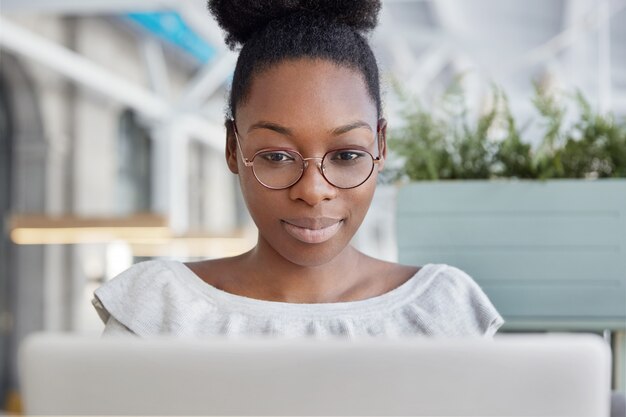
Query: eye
[276, 157]
[349, 155]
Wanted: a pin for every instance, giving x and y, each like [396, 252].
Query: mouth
[312, 230]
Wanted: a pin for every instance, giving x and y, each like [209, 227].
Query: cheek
[360, 199]
[262, 203]
[252, 191]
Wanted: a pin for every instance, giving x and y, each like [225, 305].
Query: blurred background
[111, 128]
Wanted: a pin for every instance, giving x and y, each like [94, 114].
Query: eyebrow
[346, 128]
[287, 132]
[271, 126]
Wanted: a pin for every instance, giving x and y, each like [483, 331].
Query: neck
[272, 277]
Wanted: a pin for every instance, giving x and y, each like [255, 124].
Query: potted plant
[541, 227]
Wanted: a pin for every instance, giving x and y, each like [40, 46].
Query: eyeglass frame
[249, 163]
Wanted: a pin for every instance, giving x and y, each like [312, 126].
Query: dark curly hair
[270, 32]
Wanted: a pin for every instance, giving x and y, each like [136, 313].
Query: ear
[382, 142]
[231, 148]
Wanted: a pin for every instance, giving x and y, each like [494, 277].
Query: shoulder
[457, 304]
[152, 297]
[141, 278]
[138, 276]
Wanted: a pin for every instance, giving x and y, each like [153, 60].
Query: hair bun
[242, 18]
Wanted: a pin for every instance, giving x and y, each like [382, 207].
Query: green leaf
[445, 142]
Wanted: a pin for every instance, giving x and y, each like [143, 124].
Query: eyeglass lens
[343, 168]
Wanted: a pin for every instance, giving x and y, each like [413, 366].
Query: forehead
[308, 94]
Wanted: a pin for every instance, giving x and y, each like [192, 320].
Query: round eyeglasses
[280, 168]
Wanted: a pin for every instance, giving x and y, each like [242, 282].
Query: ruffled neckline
[405, 292]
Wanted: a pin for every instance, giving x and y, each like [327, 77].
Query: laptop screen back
[539, 375]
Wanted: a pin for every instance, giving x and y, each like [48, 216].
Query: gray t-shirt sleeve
[463, 302]
[115, 328]
[112, 327]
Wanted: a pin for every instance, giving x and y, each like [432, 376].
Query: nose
[312, 188]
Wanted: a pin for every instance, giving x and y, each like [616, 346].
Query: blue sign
[170, 27]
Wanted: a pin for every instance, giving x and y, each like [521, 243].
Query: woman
[306, 137]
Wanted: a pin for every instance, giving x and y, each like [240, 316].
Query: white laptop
[529, 375]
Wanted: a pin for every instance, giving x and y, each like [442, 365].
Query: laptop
[512, 375]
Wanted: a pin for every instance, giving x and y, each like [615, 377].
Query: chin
[312, 255]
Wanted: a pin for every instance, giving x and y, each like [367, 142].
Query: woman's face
[311, 106]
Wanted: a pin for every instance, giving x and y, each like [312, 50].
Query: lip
[312, 230]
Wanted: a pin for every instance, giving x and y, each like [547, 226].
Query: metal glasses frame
[250, 162]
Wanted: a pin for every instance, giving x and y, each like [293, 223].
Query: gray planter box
[550, 255]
